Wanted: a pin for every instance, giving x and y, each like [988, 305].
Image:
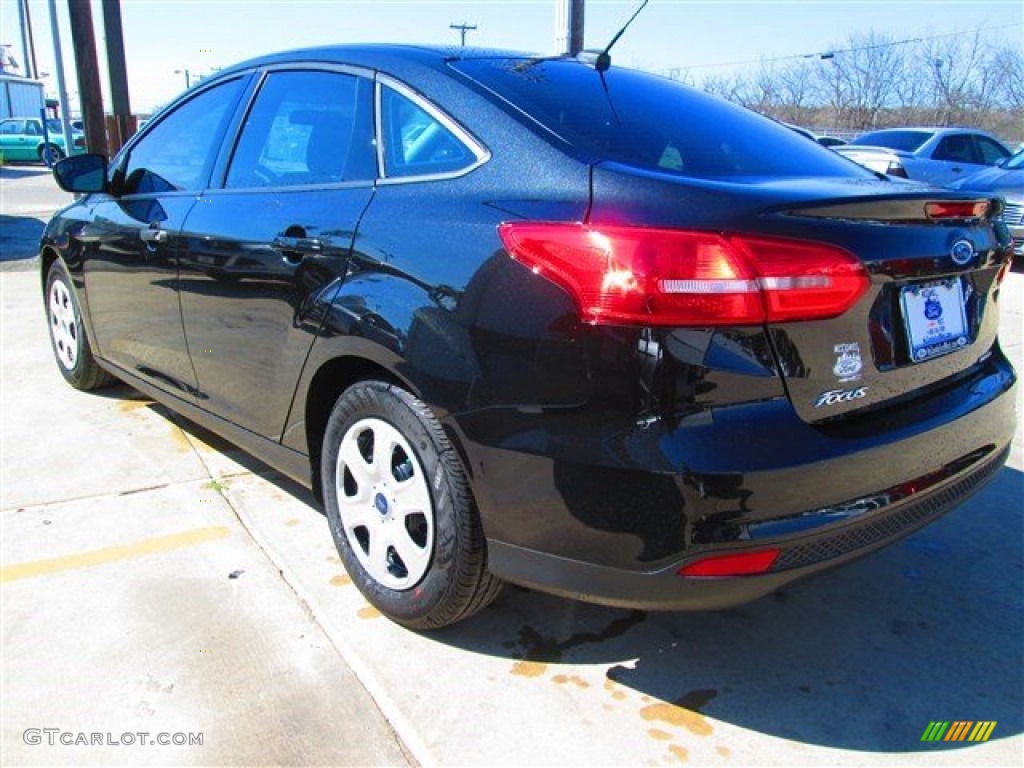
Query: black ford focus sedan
[541, 321]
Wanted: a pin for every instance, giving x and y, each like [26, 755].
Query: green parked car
[22, 138]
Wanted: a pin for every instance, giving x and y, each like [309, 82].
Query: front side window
[176, 155]
[32, 128]
[306, 128]
[416, 143]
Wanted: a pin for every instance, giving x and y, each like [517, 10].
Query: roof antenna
[601, 60]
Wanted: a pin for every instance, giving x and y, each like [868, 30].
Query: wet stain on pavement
[612, 687]
[576, 680]
[723, 751]
[293, 522]
[341, 580]
[368, 612]
[537, 647]
[681, 754]
[659, 735]
[529, 668]
[180, 440]
[664, 712]
[127, 406]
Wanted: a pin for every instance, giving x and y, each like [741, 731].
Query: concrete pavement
[124, 524]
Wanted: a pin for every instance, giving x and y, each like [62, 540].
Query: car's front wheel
[67, 336]
[400, 509]
[51, 154]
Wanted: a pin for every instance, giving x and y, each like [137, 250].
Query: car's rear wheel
[400, 509]
[67, 336]
[51, 154]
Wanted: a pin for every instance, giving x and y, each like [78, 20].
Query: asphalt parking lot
[157, 580]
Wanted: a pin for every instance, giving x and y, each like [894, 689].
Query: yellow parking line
[110, 554]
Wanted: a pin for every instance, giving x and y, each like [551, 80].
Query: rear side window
[905, 141]
[307, 128]
[652, 122]
[415, 142]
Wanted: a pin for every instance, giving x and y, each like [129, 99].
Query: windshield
[906, 141]
[652, 122]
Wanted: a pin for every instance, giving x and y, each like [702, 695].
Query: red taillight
[959, 209]
[736, 564]
[640, 276]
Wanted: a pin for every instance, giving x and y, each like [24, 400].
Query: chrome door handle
[298, 244]
[153, 235]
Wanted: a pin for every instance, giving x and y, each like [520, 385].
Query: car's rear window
[906, 141]
[652, 122]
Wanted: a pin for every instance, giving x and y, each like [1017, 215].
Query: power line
[832, 52]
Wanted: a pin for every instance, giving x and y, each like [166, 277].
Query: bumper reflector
[735, 564]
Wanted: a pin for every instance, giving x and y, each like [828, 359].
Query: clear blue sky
[705, 36]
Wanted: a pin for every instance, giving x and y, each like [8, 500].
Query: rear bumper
[611, 517]
[665, 589]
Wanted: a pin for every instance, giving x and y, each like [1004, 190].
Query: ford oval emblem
[962, 252]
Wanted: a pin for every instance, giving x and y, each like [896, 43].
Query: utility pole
[122, 126]
[188, 77]
[463, 29]
[84, 41]
[569, 16]
[30, 54]
[62, 89]
[24, 41]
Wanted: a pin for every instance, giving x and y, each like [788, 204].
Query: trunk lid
[929, 313]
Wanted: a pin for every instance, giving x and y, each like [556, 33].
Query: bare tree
[872, 80]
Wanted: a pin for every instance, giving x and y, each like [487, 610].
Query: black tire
[68, 339]
[50, 154]
[455, 583]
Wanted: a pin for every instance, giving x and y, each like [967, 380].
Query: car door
[264, 252]
[14, 144]
[133, 237]
[955, 156]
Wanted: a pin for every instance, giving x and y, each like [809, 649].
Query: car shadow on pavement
[19, 237]
[861, 658]
[12, 172]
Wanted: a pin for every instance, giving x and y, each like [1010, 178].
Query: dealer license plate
[935, 318]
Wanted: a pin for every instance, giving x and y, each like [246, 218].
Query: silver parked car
[1007, 180]
[937, 156]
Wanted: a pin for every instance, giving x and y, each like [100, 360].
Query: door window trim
[476, 147]
[259, 76]
[227, 127]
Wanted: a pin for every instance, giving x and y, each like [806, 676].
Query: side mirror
[82, 173]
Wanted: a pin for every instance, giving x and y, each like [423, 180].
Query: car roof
[370, 53]
[930, 129]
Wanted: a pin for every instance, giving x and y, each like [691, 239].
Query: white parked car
[937, 156]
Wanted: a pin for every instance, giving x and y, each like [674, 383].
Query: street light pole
[188, 76]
